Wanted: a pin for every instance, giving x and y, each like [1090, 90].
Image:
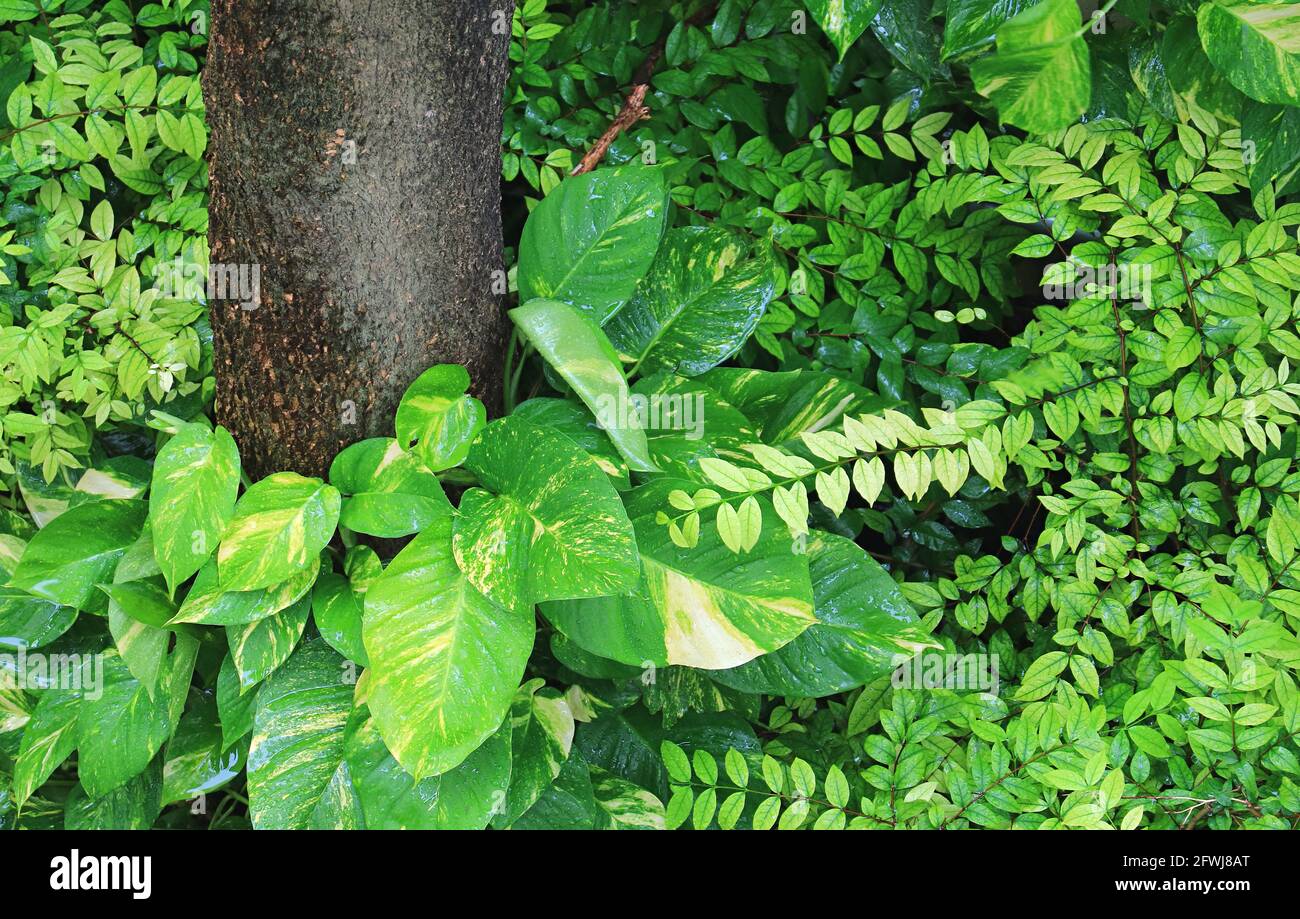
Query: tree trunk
[355, 178]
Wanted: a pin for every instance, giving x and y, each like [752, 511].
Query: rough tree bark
[355, 159]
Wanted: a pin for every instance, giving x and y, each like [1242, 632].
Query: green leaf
[700, 302]
[675, 762]
[297, 778]
[702, 607]
[1183, 349]
[445, 660]
[549, 526]
[234, 708]
[627, 806]
[438, 417]
[1040, 678]
[463, 798]
[391, 494]
[48, 739]
[192, 497]
[18, 10]
[865, 627]
[970, 25]
[210, 603]
[843, 20]
[541, 725]
[279, 526]
[583, 356]
[628, 743]
[78, 550]
[575, 422]
[337, 609]
[119, 732]
[31, 622]
[1040, 77]
[1149, 741]
[592, 239]
[1256, 45]
[195, 762]
[43, 54]
[137, 610]
[101, 220]
[569, 804]
[258, 648]
[786, 404]
[134, 805]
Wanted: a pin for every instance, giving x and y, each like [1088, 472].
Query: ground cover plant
[895, 430]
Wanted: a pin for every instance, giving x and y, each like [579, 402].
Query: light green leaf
[702, 607]
[48, 739]
[865, 627]
[1040, 77]
[628, 806]
[549, 525]
[336, 609]
[137, 612]
[445, 660]
[581, 354]
[119, 732]
[195, 481]
[439, 417]
[31, 622]
[1256, 45]
[258, 648]
[541, 737]
[78, 550]
[210, 603]
[279, 526]
[391, 494]
[297, 778]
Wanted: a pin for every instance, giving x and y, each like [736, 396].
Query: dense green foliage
[869, 461]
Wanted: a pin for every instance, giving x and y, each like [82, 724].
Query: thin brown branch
[634, 108]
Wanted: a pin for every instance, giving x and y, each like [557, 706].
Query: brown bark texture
[355, 161]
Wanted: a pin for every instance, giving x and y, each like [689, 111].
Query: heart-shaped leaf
[437, 416]
[864, 627]
[702, 607]
[195, 482]
[445, 660]
[592, 239]
[546, 525]
[280, 525]
[391, 493]
[700, 302]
